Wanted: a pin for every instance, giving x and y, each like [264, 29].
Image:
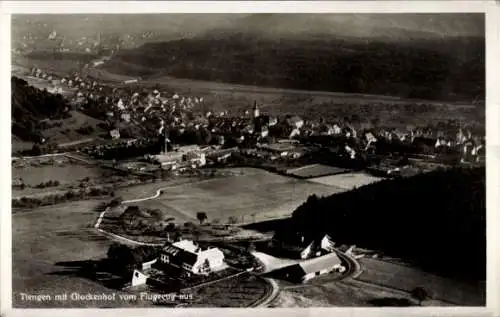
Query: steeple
[256, 112]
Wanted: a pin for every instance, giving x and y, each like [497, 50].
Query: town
[185, 195]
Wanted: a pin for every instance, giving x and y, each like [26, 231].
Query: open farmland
[34, 172]
[103, 75]
[345, 293]
[68, 129]
[380, 284]
[241, 291]
[405, 278]
[39, 269]
[60, 67]
[346, 181]
[315, 170]
[256, 195]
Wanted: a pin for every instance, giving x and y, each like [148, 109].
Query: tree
[120, 254]
[36, 150]
[232, 220]
[420, 294]
[201, 216]
[170, 227]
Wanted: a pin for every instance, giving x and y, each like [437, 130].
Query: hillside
[433, 68]
[436, 220]
[38, 114]
[30, 106]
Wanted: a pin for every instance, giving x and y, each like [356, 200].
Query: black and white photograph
[244, 160]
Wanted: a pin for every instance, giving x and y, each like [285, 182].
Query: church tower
[256, 112]
[163, 138]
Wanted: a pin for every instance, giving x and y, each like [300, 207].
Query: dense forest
[436, 220]
[30, 106]
[436, 69]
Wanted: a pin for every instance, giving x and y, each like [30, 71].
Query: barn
[309, 269]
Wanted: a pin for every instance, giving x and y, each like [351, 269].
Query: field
[346, 181]
[67, 131]
[381, 284]
[255, 196]
[61, 67]
[47, 245]
[64, 132]
[241, 291]
[405, 278]
[52, 169]
[316, 170]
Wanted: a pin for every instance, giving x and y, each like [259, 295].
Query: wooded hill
[30, 106]
[437, 69]
[436, 220]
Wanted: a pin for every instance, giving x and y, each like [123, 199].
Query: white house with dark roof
[192, 258]
[302, 246]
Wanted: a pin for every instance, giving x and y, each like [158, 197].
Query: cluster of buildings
[258, 135]
[182, 157]
[183, 259]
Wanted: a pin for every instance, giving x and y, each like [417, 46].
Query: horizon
[407, 26]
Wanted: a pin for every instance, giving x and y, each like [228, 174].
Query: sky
[350, 25]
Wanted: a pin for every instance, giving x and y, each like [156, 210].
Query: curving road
[353, 270]
[353, 266]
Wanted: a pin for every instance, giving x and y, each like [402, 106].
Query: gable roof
[320, 263]
[179, 256]
[298, 240]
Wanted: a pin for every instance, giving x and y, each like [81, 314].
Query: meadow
[315, 170]
[256, 195]
[405, 278]
[57, 169]
[346, 181]
[381, 283]
[49, 245]
[241, 291]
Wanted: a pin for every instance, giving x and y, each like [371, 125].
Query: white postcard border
[492, 127]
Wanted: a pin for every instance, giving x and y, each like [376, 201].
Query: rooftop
[320, 263]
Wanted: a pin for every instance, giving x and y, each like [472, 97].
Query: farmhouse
[189, 258]
[301, 246]
[306, 270]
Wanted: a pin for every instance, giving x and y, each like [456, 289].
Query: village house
[295, 122]
[302, 246]
[115, 134]
[188, 258]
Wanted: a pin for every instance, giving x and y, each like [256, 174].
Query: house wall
[147, 265]
[325, 243]
[215, 258]
[138, 278]
[311, 275]
[307, 252]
